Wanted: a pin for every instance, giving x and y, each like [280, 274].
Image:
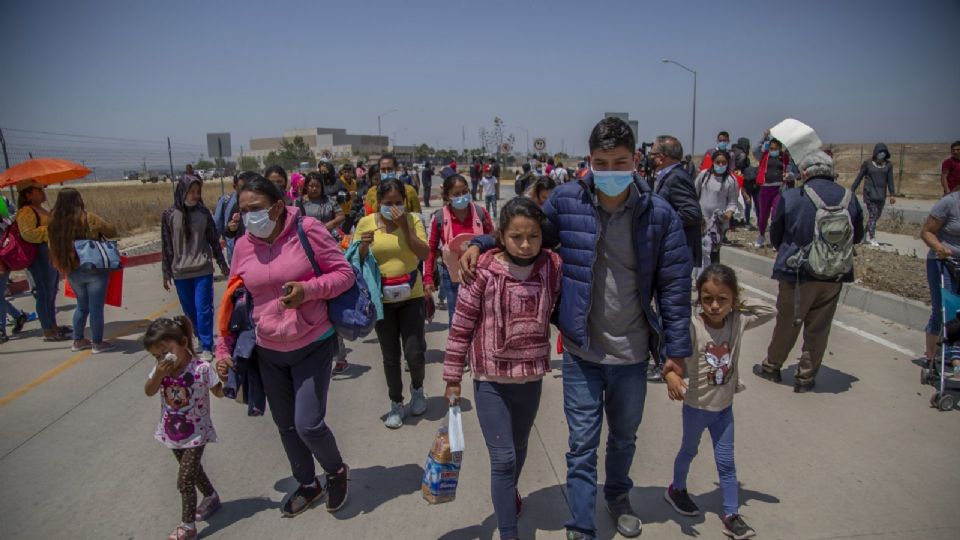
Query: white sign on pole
[539, 144]
[506, 148]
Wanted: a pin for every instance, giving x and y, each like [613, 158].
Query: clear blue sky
[857, 71]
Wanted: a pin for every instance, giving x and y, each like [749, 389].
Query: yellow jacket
[33, 225]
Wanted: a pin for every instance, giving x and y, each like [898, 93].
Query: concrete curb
[21, 286]
[894, 308]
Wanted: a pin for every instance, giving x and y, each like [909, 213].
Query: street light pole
[693, 134]
[382, 115]
[527, 133]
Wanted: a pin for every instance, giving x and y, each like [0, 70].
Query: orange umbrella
[44, 171]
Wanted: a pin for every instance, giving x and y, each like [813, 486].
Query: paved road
[862, 457]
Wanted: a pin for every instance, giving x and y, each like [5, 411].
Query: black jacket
[677, 188]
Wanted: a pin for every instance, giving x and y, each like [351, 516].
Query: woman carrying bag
[70, 222]
[32, 220]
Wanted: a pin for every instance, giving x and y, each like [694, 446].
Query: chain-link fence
[110, 158]
[916, 167]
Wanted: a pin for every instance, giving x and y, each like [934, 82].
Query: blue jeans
[91, 289]
[46, 279]
[6, 308]
[506, 413]
[451, 289]
[196, 299]
[491, 201]
[720, 425]
[589, 389]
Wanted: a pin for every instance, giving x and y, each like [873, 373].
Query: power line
[91, 136]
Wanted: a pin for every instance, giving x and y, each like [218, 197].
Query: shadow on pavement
[543, 510]
[653, 508]
[829, 380]
[372, 486]
[233, 511]
[436, 410]
[353, 371]
[115, 329]
[433, 356]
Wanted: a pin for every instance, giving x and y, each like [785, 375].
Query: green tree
[273, 158]
[249, 163]
[293, 153]
[424, 151]
[204, 164]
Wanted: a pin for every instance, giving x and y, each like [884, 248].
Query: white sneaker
[418, 402]
[759, 242]
[394, 419]
[206, 356]
[874, 243]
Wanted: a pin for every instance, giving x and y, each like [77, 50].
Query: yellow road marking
[77, 358]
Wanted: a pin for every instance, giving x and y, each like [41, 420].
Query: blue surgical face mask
[720, 169]
[612, 183]
[774, 153]
[723, 145]
[766, 145]
[387, 212]
[384, 176]
[461, 202]
[881, 155]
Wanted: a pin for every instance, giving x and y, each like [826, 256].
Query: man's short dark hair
[954, 144]
[670, 147]
[723, 134]
[611, 133]
[392, 158]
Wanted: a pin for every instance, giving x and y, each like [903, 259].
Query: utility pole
[6, 165]
[170, 156]
[220, 164]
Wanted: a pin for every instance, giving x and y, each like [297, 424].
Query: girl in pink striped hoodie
[503, 321]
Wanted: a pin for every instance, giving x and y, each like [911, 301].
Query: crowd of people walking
[607, 255]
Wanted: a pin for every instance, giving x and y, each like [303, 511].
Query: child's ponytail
[177, 329]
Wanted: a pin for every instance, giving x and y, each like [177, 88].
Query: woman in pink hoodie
[295, 341]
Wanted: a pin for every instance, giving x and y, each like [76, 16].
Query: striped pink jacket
[504, 322]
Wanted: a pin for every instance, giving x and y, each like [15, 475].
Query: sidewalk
[862, 456]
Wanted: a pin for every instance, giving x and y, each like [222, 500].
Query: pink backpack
[15, 252]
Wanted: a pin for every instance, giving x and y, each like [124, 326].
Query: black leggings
[190, 478]
[401, 329]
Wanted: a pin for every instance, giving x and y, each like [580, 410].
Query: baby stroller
[934, 373]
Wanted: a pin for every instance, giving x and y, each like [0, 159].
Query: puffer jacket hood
[880, 147]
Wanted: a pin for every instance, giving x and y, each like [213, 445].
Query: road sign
[539, 144]
[506, 148]
[218, 145]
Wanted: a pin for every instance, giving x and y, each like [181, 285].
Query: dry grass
[133, 208]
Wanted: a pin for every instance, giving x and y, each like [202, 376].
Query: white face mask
[259, 223]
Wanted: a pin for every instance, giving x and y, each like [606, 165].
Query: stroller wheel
[946, 402]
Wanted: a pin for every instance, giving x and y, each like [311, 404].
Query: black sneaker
[759, 371]
[577, 535]
[337, 488]
[628, 524]
[804, 388]
[736, 528]
[681, 501]
[301, 499]
[18, 324]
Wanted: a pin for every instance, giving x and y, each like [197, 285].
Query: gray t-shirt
[947, 211]
[617, 331]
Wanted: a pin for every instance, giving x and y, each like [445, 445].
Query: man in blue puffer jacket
[622, 248]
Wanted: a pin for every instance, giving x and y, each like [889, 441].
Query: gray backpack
[829, 256]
